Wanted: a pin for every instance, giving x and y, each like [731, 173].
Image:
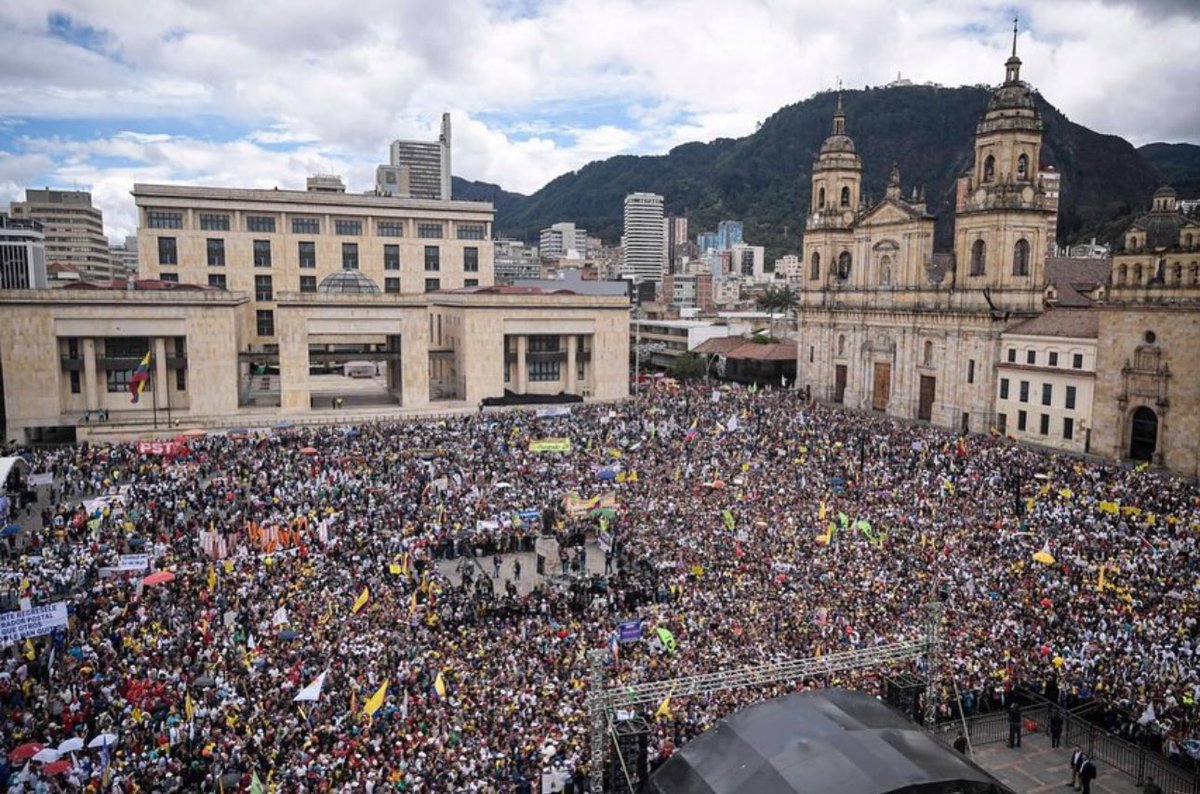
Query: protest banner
[35, 622]
[133, 562]
[159, 448]
[550, 445]
[41, 478]
[547, 411]
[629, 630]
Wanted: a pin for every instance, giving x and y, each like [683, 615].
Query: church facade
[887, 324]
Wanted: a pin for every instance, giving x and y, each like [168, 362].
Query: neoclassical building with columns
[887, 324]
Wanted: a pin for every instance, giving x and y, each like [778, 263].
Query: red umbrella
[308, 451]
[57, 768]
[159, 577]
[23, 752]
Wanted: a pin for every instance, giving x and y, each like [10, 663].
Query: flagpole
[153, 391]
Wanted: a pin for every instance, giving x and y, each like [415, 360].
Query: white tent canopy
[6, 467]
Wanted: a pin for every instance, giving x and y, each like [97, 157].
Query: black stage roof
[832, 741]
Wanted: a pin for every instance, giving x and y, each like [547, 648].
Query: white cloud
[338, 85]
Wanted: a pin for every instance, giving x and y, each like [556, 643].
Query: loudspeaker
[628, 767]
[903, 693]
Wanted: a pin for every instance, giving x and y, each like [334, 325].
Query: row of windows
[989, 168]
[168, 255]
[1020, 260]
[1170, 275]
[1068, 425]
[264, 288]
[1051, 358]
[347, 227]
[1047, 393]
[844, 202]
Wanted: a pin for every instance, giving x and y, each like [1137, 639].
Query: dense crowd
[753, 527]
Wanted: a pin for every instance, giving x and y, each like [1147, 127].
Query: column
[571, 386]
[160, 373]
[90, 394]
[519, 382]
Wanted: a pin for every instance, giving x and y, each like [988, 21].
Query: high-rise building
[642, 241]
[124, 257]
[706, 241]
[73, 229]
[675, 237]
[417, 169]
[1051, 184]
[562, 240]
[729, 234]
[513, 260]
[22, 254]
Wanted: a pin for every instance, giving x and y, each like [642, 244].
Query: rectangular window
[306, 225]
[471, 282]
[390, 228]
[76, 386]
[391, 257]
[262, 288]
[1077, 361]
[173, 277]
[308, 283]
[1068, 428]
[164, 219]
[971, 371]
[347, 228]
[1047, 393]
[433, 257]
[307, 255]
[1012, 355]
[349, 256]
[216, 252]
[1031, 357]
[1070, 403]
[470, 231]
[1002, 422]
[167, 253]
[543, 343]
[391, 286]
[262, 253]
[1024, 391]
[214, 222]
[544, 370]
[216, 280]
[471, 259]
[265, 322]
[260, 223]
[181, 379]
[1053, 359]
[1044, 427]
[432, 284]
[1004, 388]
[429, 231]
[117, 381]
[1021, 420]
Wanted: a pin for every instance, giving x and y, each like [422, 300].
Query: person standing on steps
[1056, 727]
[1077, 759]
[1087, 773]
[1014, 725]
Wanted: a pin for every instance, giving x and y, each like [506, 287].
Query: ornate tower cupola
[836, 178]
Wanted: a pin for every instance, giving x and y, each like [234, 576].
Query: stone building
[887, 324]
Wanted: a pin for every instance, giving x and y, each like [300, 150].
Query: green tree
[687, 367]
[777, 300]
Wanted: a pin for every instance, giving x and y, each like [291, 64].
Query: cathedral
[1087, 356]
[888, 325]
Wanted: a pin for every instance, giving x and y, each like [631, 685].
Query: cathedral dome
[838, 144]
[348, 282]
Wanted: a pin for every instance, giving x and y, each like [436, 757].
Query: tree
[687, 367]
[777, 300]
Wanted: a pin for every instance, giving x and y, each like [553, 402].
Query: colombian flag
[137, 384]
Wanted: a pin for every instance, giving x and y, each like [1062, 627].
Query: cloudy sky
[98, 94]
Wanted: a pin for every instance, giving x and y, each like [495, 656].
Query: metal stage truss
[603, 699]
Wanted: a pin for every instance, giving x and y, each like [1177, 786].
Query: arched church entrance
[1143, 437]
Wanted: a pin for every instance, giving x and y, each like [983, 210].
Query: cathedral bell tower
[1003, 213]
[836, 200]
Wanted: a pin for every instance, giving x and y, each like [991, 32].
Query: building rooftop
[139, 285]
[1074, 276]
[1070, 323]
[189, 193]
[348, 281]
[737, 347]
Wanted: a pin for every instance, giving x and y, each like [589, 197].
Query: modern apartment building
[675, 236]
[513, 260]
[562, 240]
[22, 254]
[642, 242]
[124, 257]
[417, 169]
[73, 229]
[267, 242]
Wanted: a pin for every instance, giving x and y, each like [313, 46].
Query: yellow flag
[439, 685]
[375, 701]
[412, 602]
[395, 569]
[361, 601]
[821, 512]
[664, 708]
[212, 578]
[189, 708]
[30, 653]
[1100, 584]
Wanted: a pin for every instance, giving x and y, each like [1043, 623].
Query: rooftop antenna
[1014, 50]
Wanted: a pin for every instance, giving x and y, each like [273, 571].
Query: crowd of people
[750, 525]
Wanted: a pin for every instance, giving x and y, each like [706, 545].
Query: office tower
[22, 254]
[417, 169]
[560, 239]
[642, 240]
[73, 230]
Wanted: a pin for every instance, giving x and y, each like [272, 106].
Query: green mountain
[763, 178]
[1179, 163]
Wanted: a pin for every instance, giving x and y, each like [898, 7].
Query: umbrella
[71, 745]
[308, 450]
[47, 755]
[57, 768]
[24, 752]
[103, 740]
[194, 433]
[607, 474]
[605, 512]
[718, 485]
[159, 577]
[287, 634]
[10, 530]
